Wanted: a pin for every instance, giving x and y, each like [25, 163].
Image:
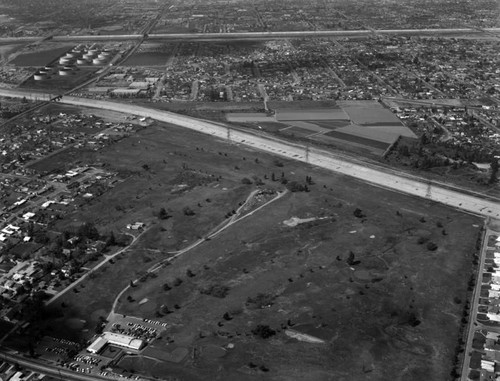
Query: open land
[234, 263]
[391, 305]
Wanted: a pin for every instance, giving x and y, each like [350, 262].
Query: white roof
[97, 345]
[123, 340]
[494, 317]
[28, 215]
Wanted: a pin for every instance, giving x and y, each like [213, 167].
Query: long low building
[97, 345]
[117, 339]
[123, 340]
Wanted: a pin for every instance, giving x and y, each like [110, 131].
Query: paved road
[257, 35]
[376, 175]
[51, 370]
[215, 232]
[474, 324]
[94, 269]
[281, 34]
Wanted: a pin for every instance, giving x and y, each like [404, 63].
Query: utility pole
[428, 194]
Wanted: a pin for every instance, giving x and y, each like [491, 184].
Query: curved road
[215, 232]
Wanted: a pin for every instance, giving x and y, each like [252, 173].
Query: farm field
[316, 285]
[147, 59]
[368, 112]
[351, 125]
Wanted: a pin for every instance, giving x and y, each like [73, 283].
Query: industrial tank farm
[70, 61]
[64, 67]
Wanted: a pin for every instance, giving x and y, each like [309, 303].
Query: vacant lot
[369, 112]
[379, 285]
[148, 59]
[40, 58]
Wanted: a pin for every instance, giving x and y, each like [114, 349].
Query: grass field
[358, 139]
[147, 59]
[382, 302]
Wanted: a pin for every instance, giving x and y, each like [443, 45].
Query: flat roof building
[123, 340]
[97, 345]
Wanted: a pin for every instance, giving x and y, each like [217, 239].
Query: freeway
[256, 35]
[379, 176]
[376, 175]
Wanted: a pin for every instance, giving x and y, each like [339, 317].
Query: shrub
[216, 290]
[263, 331]
[246, 181]
[294, 186]
[188, 211]
[431, 246]
[261, 300]
[358, 213]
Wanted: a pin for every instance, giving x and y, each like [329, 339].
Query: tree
[111, 240]
[359, 213]
[216, 290]
[163, 214]
[263, 331]
[246, 181]
[431, 246]
[88, 230]
[261, 300]
[188, 211]
[494, 170]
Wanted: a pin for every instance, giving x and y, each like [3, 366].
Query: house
[28, 215]
[488, 366]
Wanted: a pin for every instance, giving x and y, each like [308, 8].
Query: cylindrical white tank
[64, 72]
[81, 61]
[39, 76]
